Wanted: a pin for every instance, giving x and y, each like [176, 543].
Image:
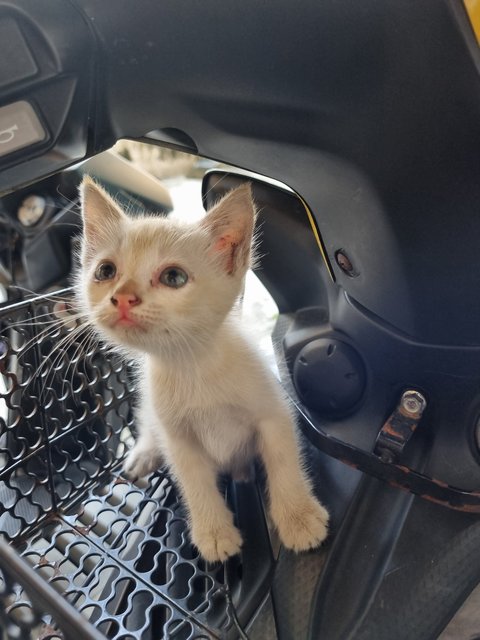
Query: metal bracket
[400, 426]
[396, 475]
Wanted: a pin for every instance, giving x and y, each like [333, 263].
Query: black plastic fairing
[49, 63]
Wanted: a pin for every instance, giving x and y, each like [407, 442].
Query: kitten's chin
[128, 338]
[126, 332]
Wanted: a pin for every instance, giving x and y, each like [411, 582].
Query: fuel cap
[329, 376]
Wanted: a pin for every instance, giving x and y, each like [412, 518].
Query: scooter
[367, 114]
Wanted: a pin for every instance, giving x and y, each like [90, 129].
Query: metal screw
[387, 456]
[345, 263]
[413, 402]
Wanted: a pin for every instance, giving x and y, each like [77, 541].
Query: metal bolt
[387, 456]
[413, 402]
[345, 263]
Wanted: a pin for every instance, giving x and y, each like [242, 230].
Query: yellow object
[318, 238]
[473, 10]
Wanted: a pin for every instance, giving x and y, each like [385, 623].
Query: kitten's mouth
[126, 322]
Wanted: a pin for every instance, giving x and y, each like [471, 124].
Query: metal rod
[45, 598]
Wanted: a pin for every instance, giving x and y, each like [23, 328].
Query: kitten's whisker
[75, 203]
[34, 322]
[74, 361]
[51, 297]
[64, 352]
[48, 318]
[216, 184]
[60, 223]
[60, 349]
[182, 340]
[55, 325]
[37, 338]
[31, 319]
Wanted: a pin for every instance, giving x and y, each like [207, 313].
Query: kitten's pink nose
[124, 300]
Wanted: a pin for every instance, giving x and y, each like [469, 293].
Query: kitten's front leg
[211, 522]
[146, 455]
[144, 458]
[300, 519]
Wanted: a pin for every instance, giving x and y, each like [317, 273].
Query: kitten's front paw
[217, 543]
[140, 462]
[303, 526]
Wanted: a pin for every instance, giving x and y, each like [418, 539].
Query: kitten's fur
[208, 403]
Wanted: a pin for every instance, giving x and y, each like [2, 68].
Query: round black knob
[329, 376]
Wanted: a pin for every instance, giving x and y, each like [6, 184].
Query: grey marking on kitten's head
[156, 284]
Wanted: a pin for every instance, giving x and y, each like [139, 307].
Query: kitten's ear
[101, 215]
[230, 225]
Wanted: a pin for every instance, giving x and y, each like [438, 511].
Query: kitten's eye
[105, 271]
[173, 277]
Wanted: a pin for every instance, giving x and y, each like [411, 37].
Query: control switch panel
[19, 127]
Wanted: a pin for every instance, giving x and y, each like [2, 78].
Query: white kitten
[208, 404]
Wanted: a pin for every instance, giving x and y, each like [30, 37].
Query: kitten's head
[158, 285]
